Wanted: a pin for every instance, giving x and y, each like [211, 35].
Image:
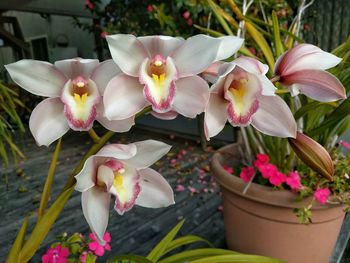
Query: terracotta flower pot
[262, 221]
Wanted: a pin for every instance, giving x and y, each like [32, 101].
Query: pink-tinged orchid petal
[211, 74]
[251, 65]
[123, 97]
[228, 46]
[163, 45]
[75, 67]
[170, 115]
[215, 115]
[127, 52]
[105, 177]
[47, 122]
[103, 73]
[274, 117]
[95, 203]
[155, 190]
[148, 152]
[80, 104]
[118, 151]
[305, 56]
[259, 69]
[192, 95]
[243, 90]
[37, 77]
[86, 178]
[116, 125]
[195, 55]
[159, 88]
[316, 84]
[126, 189]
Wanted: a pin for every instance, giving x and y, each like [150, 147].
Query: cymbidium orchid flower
[302, 70]
[122, 171]
[75, 88]
[243, 95]
[161, 71]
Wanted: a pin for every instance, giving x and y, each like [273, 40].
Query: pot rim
[259, 193]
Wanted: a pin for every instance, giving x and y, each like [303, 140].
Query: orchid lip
[80, 97]
[159, 74]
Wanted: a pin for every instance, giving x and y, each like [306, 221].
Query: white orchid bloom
[243, 95]
[75, 88]
[302, 70]
[122, 171]
[161, 71]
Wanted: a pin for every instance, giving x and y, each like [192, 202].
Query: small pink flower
[247, 173]
[277, 178]
[293, 180]
[150, 8]
[186, 15]
[189, 22]
[267, 170]
[56, 255]
[345, 144]
[192, 189]
[104, 34]
[228, 169]
[321, 195]
[221, 208]
[98, 249]
[261, 159]
[180, 188]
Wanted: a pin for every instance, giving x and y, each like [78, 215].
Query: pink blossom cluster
[270, 172]
[59, 254]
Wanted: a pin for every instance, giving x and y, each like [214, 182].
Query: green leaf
[335, 117]
[219, 17]
[129, 258]
[261, 42]
[160, 248]
[236, 259]
[277, 35]
[311, 106]
[181, 241]
[49, 180]
[193, 254]
[43, 226]
[209, 31]
[18, 243]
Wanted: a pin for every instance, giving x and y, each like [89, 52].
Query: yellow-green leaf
[181, 241]
[219, 17]
[49, 180]
[261, 42]
[158, 251]
[277, 35]
[18, 243]
[43, 226]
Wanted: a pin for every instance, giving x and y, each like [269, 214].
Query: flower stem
[94, 135]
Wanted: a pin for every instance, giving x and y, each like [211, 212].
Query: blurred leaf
[129, 258]
[209, 31]
[218, 15]
[181, 241]
[313, 155]
[18, 243]
[277, 35]
[161, 247]
[335, 117]
[262, 43]
[49, 180]
[194, 254]
[311, 106]
[43, 226]
[236, 259]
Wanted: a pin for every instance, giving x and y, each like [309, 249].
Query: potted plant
[285, 184]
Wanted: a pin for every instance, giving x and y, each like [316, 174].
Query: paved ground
[138, 230]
